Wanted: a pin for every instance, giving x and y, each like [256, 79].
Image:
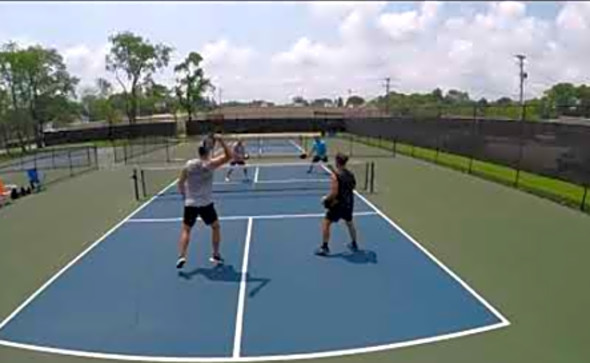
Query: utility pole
[522, 76]
[387, 80]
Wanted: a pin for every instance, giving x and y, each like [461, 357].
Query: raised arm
[222, 159]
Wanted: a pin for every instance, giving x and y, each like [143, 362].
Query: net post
[394, 147]
[143, 189]
[583, 204]
[135, 187]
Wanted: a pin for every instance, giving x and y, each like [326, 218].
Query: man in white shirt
[196, 186]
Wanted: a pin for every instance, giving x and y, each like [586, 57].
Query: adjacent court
[123, 298]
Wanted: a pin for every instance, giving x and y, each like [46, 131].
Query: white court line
[256, 173]
[77, 258]
[283, 181]
[433, 258]
[239, 218]
[314, 355]
[242, 293]
[270, 358]
[503, 319]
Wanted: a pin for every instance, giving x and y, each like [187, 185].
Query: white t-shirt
[199, 183]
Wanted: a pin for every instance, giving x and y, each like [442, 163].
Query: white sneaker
[227, 179]
[181, 261]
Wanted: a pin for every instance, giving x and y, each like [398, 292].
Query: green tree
[137, 59]
[355, 101]
[299, 101]
[322, 102]
[39, 86]
[191, 84]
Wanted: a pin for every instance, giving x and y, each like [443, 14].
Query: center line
[256, 172]
[242, 294]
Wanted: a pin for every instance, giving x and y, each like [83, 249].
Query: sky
[277, 50]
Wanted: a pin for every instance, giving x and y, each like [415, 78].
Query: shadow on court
[359, 257]
[226, 273]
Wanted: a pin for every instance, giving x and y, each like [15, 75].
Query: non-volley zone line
[239, 218]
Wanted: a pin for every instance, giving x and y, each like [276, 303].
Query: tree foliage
[39, 87]
[134, 60]
[191, 84]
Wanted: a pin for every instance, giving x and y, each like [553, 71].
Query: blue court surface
[273, 299]
[277, 147]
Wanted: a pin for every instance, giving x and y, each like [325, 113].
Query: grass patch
[551, 188]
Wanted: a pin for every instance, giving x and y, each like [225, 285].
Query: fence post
[70, 161]
[583, 205]
[125, 144]
[473, 137]
[366, 176]
[372, 185]
[520, 147]
[96, 157]
[166, 141]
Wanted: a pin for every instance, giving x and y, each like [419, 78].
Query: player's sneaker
[217, 259]
[227, 179]
[180, 263]
[353, 246]
[324, 250]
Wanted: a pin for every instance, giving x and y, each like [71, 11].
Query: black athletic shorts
[317, 159]
[339, 212]
[237, 162]
[207, 214]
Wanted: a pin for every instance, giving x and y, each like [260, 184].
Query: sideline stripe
[436, 260]
[242, 294]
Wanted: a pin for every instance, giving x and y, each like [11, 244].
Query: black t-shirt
[346, 185]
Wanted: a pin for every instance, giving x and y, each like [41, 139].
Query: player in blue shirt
[319, 151]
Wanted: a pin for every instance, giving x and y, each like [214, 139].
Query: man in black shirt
[340, 204]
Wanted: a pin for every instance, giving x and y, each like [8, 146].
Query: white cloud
[223, 54]
[422, 48]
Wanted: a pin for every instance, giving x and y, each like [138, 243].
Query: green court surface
[526, 255]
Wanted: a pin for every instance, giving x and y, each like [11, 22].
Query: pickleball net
[264, 177]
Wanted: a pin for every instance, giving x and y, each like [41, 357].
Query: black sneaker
[180, 263]
[324, 250]
[353, 246]
[217, 259]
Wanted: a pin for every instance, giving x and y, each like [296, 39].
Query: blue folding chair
[34, 179]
